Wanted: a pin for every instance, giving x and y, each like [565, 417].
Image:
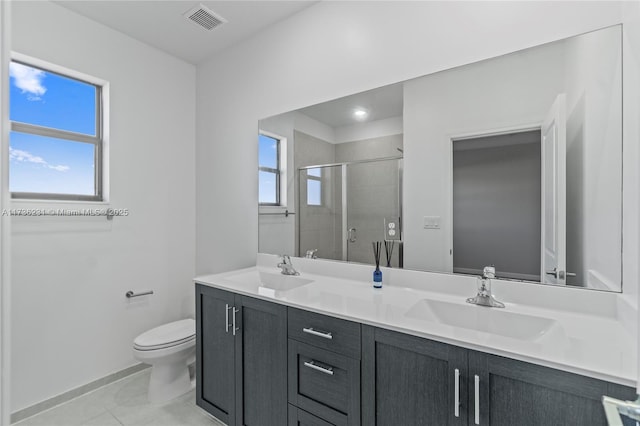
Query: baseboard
[74, 393]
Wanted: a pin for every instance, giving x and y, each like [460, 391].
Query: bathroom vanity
[327, 349]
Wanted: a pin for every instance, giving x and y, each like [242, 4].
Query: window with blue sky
[268, 170]
[55, 137]
[314, 187]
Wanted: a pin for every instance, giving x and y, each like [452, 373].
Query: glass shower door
[372, 195]
[320, 212]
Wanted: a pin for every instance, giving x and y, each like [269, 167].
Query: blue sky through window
[45, 164]
[268, 152]
[267, 180]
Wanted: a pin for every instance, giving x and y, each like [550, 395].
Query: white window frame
[98, 140]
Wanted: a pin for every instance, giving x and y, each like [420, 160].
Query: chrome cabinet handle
[476, 380]
[312, 364]
[456, 393]
[226, 317]
[234, 320]
[309, 330]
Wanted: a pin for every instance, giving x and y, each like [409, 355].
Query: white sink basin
[489, 320]
[269, 284]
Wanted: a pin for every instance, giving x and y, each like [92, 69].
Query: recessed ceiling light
[360, 113]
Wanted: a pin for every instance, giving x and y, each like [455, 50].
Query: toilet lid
[167, 335]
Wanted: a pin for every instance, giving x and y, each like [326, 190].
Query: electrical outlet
[392, 229]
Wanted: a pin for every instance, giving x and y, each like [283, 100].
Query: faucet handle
[489, 272]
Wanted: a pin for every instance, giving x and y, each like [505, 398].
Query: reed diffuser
[377, 274]
[388, 250]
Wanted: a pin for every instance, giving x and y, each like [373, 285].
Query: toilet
[169, 349]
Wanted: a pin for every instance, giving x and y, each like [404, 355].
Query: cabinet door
[513, 392]
[261, 363]
[215, 382]
[407, 380]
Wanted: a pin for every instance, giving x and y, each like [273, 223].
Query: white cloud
[27, 157]
[19, 155]
[29, 80]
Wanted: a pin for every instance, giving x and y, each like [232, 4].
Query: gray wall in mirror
[421, 118]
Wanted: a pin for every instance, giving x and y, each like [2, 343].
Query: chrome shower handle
[352, 235]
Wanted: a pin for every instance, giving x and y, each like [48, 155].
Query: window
[55, 144]
[269, 170]
[314, 187]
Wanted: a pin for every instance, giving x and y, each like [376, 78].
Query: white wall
[332, 43]
[71, 322]
[478, 99]
[631, 144]
[594, 156]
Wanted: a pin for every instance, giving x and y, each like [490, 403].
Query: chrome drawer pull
[226, 320]
[310, 330]
[476, 380]
[456, 393]
[235, 311]
[313, 365]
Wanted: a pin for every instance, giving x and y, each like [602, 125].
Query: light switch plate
[432, 222]
[392, 228]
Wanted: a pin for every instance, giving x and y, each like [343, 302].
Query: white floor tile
[106, 419]
[124, 403]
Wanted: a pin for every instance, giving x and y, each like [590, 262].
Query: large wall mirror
[514, 161]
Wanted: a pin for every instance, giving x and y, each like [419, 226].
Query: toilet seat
[166, 336]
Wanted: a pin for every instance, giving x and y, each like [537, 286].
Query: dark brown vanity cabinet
[241, 358]
[411, 380]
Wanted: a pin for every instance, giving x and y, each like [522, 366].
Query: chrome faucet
[311, 254]
[484, 296]
[287, 266]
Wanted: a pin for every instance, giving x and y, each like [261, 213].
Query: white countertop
[587, 336]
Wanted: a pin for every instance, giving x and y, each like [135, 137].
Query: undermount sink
[489, 320]
[269, 284]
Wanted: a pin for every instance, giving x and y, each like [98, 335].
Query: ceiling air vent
[204, 17]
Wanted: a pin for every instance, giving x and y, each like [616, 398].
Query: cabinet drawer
[325, 332]
[324, 383]
[298, 417]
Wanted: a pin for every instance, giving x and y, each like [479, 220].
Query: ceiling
[161, 24]
[381, 103]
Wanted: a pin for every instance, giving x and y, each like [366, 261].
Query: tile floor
[124, 403]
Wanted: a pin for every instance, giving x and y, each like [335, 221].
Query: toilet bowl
[169, 349]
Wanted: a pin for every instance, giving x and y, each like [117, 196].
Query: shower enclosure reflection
[343, 207]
